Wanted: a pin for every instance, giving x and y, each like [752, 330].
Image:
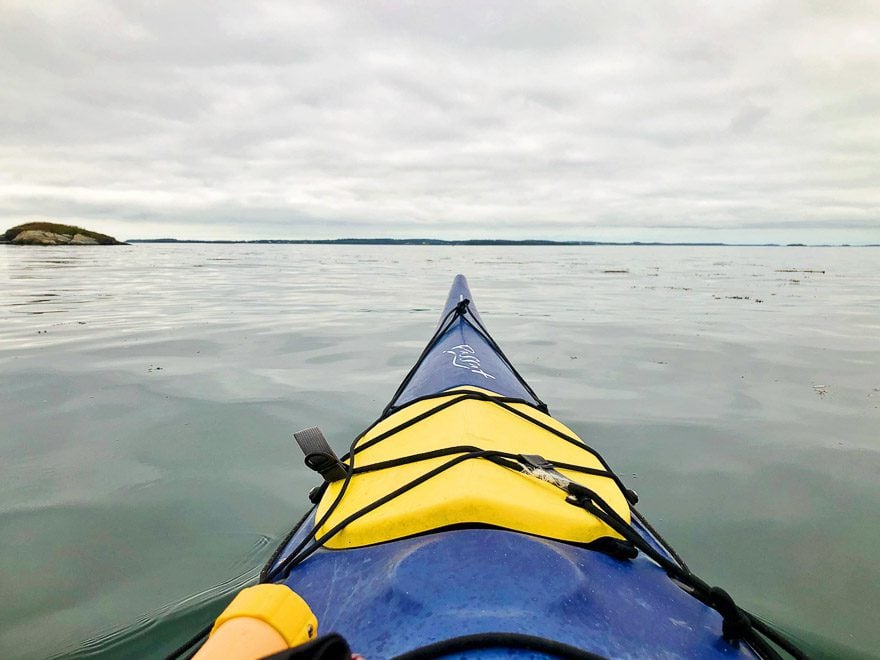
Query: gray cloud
[746, 121]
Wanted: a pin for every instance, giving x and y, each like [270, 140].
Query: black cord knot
[616, 548]
[736, 624]
[581, 494]
[462, 306]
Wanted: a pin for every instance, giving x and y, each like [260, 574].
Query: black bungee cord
[737, 623]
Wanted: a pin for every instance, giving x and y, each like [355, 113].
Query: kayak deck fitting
[466, 520]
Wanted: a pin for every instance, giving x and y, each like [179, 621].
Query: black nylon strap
[320, 457]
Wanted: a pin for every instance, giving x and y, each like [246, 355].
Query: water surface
[148, 395]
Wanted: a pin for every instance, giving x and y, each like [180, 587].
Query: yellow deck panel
[473, 492]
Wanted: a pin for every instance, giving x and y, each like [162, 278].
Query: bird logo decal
[464, 357]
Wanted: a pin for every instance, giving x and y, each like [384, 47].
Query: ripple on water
[138, 499]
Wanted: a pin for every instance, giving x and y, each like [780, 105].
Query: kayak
[468, 522]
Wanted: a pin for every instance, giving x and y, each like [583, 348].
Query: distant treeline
[410, 241]
[475, 241]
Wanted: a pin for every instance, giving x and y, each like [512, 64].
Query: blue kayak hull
[463, 357]
[394, 597]
[406, 593]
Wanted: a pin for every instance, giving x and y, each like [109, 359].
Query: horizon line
[482, 242]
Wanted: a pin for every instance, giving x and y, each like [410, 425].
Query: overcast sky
[731, 121]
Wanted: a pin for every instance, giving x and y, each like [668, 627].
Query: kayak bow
[466, 519]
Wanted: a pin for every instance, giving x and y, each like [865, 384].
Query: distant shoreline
[477, 242]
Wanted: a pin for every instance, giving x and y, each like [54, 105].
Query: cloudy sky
[732, 121]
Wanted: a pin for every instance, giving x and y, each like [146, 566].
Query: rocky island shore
[49, 233]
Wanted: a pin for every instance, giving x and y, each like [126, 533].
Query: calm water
[148, 395]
